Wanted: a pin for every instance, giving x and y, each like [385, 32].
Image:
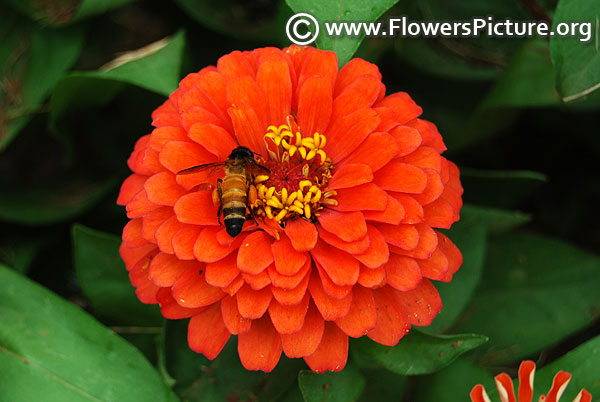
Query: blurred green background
[529, 229]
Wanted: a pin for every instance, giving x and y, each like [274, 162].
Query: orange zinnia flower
[526, 373]
[340, 241]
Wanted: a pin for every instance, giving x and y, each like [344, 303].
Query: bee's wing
[201, 168]
[257, 169]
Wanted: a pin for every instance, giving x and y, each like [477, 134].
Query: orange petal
[302, 234]
[288, 319]
[214, 86]
[208, 249]
[422, 303]
[455, 258]
[434, 188]
[197, 209]
[207, 333]
[221, 273]
[255, 253]
[526, 374]
[234, 65]
[353, 247]
[436, 266]
[248, 128]
[288, 261]
[478, 394]
[403, 236]
[393, 213]
[371, 277]
[345, 134]
[348, 226]
[152, 220]
[198, 114]
[214, 138]
[439, 214]
[332, 353]
[330, 308]
[319, 63]
[235, 323]
[140, 205]
[165, 232]
[257, 282]
[559, 383]
[403, 106]
[362, 316]
[330, 287]
[340, 266]
[430, 134]
[131, 256]
[378, 252]
[191, 290]
[162, 189]
[402, 273]
[414, 210]
[234, 286]
[401, 177]
[132, 233]
[424, 157]
[291, 297]
[285, 281]
[179, 155]
[170, 309]
[361, 93]
[305, 341]
[392, 319]
[315, 105]
[428, 242]
[350, 175]
[166, 268]
[260, 347]
[273, 77]
[364, 197]
[163, 135]
[375, 151]
[505, 387]
[352, 70]
[184, 241]
[408, 139]
[253, 303]
[145, 290]
[130, 187]
[245, 91]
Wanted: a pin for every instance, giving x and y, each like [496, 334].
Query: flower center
[299, 172]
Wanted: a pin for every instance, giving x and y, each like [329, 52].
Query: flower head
[339, 238]
[526, 373]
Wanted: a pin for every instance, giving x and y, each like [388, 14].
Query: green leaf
[31, 63]
[534, 292]
[527, 81]
[469, 235]
[224, 378]
[53, 351]
[340, 11]
[155, 67]
[582, 362]
[499, 188]
[104, 280]
[454, 383]
[19, 250]
[45, 205]
[418, 353]
[61, 12]
[343, 386]
[383, 386]
[496, 220]
[577, 63]
[243, 20]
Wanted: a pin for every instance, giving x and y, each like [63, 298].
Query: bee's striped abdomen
[233, 198]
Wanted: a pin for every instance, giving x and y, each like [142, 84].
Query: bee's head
[241, 153]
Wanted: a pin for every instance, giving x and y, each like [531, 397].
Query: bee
[232, 190]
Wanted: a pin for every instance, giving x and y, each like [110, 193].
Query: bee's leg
[220, 192]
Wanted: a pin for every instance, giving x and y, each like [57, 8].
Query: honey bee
[232, 190]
